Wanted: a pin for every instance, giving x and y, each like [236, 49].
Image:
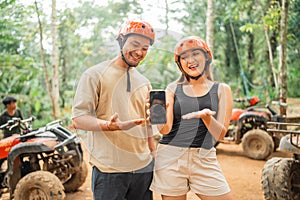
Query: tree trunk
[167, 16]
[46, 76]
[282, 61]
[53, 91]
[271, 71]
[54, 60]
[251, 55]
[271, 58]
[210, 24]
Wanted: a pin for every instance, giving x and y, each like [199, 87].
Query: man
[110, 101]
[11, 111]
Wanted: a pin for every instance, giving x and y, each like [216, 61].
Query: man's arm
[90, 123]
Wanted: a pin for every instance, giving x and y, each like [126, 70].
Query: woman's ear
[208, 59]
[121, 37]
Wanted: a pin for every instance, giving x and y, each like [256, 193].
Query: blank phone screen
[157, 107]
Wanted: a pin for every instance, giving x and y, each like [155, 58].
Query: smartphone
[158, 107]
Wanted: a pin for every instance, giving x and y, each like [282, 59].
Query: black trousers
[123, 186]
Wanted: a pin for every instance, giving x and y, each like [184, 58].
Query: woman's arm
[217, 127]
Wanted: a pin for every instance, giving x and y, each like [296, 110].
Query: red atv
[40, 164]
[248, 126]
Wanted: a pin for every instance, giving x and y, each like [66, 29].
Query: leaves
[87, 35]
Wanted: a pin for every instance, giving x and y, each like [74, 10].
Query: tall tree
[283, 55]
[54, 60]
[167, 16]
[53, 85]
[210, 24]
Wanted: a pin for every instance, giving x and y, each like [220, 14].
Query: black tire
[284, 179]
[41, 185]
[77, 179]
[257, 144]
[267, 179]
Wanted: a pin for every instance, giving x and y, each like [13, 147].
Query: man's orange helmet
[137, 27]
[192, 42]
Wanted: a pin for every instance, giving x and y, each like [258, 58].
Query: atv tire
[77, 179]
[281, 179]
[267, 179]
[257, 144]
[40, 185]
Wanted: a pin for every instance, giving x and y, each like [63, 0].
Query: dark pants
[122, 186]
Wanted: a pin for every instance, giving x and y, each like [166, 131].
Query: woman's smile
[193, 67]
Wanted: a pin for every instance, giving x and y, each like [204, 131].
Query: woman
[198, 115]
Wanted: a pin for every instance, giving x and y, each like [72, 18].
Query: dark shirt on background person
[5, 117]
[10, 113]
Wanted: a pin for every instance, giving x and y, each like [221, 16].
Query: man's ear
[121, 40]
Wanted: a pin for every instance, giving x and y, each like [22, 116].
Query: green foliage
[250, 27]
[87, 36]
[294, 48]
[159, 66]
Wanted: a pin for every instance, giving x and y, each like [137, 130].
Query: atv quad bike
[281, 176]
[40, 164]
[248, 126]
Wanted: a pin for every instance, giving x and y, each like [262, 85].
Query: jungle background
[46, 45]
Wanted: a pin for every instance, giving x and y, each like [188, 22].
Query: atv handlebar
[239, 100]
[54, 122]
[251, 101]
[14, 122]
[271, 110]
[284, 104]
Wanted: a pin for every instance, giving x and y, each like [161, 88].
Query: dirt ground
[243, 175]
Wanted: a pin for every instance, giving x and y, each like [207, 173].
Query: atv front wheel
[77, 179]
[257, 144]
[40, 185]
[281, 179]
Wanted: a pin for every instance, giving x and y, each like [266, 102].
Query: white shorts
[178, 170]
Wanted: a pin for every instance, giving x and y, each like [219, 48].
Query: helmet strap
[121, 43]
[197, 77]
[128, 80]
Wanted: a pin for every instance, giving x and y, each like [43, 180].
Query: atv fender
[14, 171]
[244, 119]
